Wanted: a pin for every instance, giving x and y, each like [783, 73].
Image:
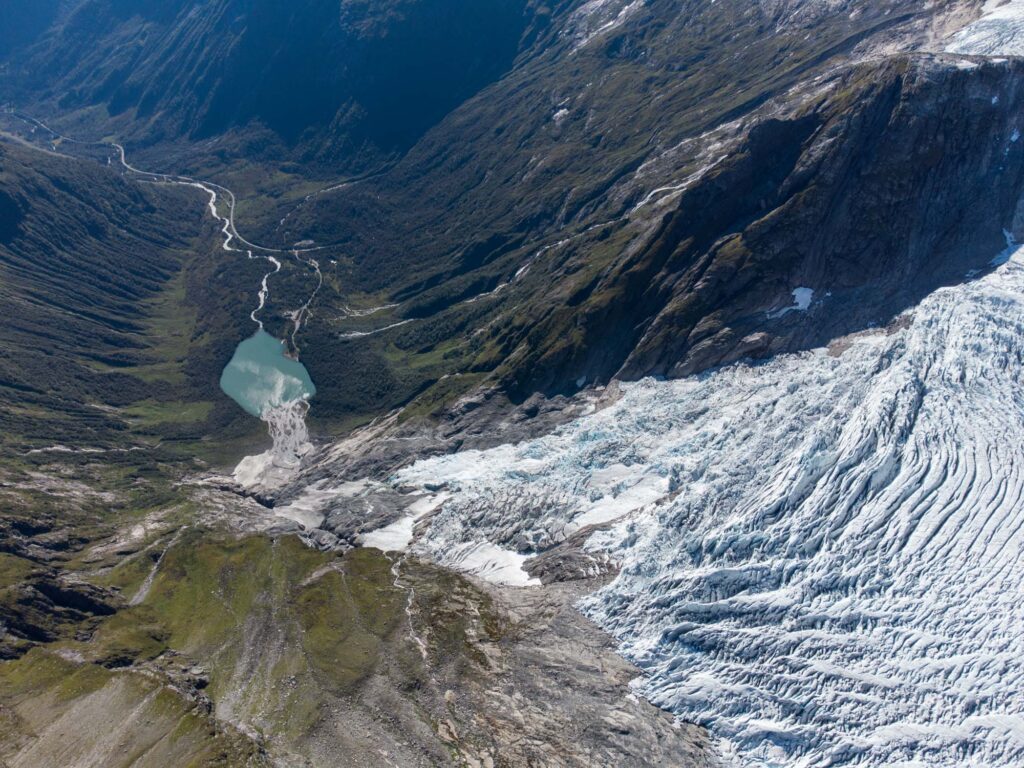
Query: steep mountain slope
[104, 281]
[817, 201]
[346, 84]
[858, 188]
[514, 242]
[515, 245]
[636, 194]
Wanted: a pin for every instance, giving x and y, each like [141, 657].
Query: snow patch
[802, 298]
[308, 508]
[391, 538]
[397, 536]
[491, 563]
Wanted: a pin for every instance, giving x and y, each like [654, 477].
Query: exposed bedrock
[893, 180]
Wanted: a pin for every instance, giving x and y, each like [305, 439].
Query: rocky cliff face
[887, 183]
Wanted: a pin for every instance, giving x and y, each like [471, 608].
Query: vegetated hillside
[634, 195]
[613, 87]
[340, 83]
[639, 201]
[869, 195]
[118, 306]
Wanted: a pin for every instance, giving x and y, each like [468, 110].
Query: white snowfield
[999, 31]
[821, 556]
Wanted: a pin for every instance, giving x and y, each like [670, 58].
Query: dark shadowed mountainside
[117, 320]
[343, 84]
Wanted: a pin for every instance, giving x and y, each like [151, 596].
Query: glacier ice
[999, 31]
[820, 555]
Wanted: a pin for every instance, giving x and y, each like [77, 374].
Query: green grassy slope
[544, 161]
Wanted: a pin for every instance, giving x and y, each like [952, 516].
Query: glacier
[999, 31]
[819, 557]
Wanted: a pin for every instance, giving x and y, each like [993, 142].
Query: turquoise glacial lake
[260, 376]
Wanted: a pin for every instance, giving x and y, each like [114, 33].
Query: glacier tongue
[821, 555]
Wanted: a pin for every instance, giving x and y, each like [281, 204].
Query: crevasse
[999, 31]
[820, 556]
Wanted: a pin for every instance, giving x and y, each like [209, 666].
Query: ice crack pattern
[831, 571]
[999, 31]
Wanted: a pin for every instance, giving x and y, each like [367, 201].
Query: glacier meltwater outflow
[262, 379]
[820, 556]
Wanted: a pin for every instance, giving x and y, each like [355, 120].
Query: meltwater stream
[260, 376]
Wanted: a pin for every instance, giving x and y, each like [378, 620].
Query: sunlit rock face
[821, 555]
